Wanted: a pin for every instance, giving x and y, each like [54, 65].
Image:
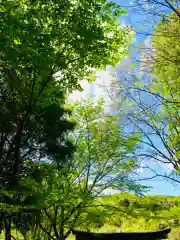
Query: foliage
[148, 213]
[46, 47]
[47, 37]
[153, 91]
[102, 161]
[99, 142]
[40, 39]
[166, 79]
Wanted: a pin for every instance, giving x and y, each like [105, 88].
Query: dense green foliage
[38, 40]
[46, 48]
[56, 159]
[102, 161]
[125, 212]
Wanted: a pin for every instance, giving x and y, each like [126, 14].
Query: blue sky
[160, 186]
[102, 87]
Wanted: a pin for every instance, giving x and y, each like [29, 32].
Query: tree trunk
[7, 229]
[62, 224]
[62, 233]
[25, 236]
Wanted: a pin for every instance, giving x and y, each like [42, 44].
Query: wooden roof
[162, 234]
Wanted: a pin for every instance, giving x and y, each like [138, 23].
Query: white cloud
[170, 167]
[167, 167]
[125, 65]
[146, 54]
[148, 42]
[123, 22]
[78, 95]
[101, 88]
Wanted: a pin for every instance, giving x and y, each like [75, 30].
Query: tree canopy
[38, 40]
[103, 161]
[46, 48]
[166, 79]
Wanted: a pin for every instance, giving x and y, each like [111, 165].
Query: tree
[38, 45]
[154, 10]
[103, 161]
[28, 64]
[148, 213]
[155, 100]
[50, 142]
[46, 48]
[157, 8]
[166, 81]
